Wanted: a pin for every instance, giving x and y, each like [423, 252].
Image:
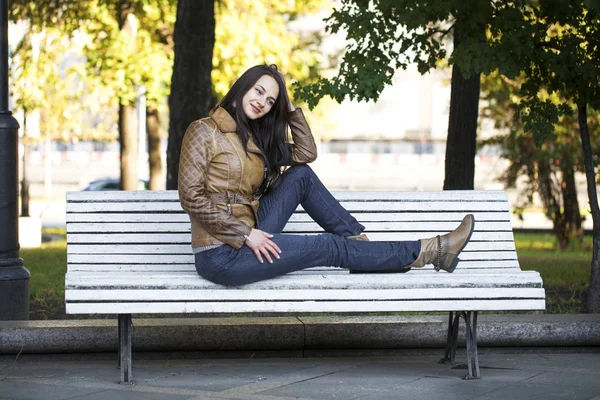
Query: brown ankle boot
[364, 237]
[442, 251]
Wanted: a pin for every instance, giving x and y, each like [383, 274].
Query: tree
[567, 61]
[132, 47]
[40, 87]
[558, 53]
[191, 89]
[123, 62]
[385, 35]
[549, 168]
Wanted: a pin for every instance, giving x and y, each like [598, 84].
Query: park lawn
[565, 274]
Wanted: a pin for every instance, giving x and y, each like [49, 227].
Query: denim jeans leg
[227, 266]
[300, 185]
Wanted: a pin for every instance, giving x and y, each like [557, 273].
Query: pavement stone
[515, 374]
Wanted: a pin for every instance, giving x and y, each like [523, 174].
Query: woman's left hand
[261, 244]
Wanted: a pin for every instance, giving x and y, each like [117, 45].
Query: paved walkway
[507, 374]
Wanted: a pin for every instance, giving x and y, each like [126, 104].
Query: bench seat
[129, 253]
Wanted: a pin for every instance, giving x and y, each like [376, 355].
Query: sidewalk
[514, 373]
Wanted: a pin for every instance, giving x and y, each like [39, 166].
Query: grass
[47, 265]
[565, 274]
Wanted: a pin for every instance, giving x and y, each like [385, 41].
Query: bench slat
[310, 306]
[127, 245]
[190, 280]
[305, 295]
[172, 195]
[188, 258]
[168, 266]
[183, 253]
[417, 206]
[167, 228]
[299, 216]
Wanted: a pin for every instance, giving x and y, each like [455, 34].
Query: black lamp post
[14, 277]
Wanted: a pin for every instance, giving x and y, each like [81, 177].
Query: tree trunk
[128, 134]
[129, 147]
[462, 127]
[550, 194]
[191, 88]
[572, 214]
[154, 152]
[592, 305]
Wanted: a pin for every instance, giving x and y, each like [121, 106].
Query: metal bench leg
[125, 341]
[471, 336]
[470, 318]
[452, 338]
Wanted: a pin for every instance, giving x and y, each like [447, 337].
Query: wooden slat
[306, 295]
[373, 236]
[480, 216]
[310, 306]
[136, 245]
[131, 218]
[384, 195]
[430, 226]
[118, 265]
[352, 206]
[182, 280]
[299, 216]
[183, 258]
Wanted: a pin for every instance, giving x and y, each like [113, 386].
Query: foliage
[124, 66]
[386, 35]
[564, 39]
[241, 42]
[43, 81]
[113, 67]
[548, 168]
[557, 59]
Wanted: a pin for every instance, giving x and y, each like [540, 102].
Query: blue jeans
[299, 185]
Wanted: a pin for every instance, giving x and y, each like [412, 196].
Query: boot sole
[456, 260]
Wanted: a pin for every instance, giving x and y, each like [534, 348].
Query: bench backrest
[140, 229]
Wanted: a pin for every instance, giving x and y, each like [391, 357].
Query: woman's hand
[260, 242]
[290, 105]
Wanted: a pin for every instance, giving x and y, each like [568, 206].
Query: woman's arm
[197, 149]
[304, 149]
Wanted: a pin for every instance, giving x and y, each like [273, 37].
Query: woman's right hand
[260, 242]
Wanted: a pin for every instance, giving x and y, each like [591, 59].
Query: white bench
[129, 253]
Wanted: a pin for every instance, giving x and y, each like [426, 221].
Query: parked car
[113, 184]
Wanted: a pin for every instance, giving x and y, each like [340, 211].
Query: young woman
[235, 157]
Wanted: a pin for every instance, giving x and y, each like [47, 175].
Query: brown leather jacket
[217, 180]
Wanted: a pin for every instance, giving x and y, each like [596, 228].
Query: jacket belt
[230, 198]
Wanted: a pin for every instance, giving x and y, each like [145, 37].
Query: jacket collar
[226, 124]
[224, 121]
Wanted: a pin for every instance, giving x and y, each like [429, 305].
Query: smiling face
[261, 97]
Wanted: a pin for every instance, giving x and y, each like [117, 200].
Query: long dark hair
[269, 131]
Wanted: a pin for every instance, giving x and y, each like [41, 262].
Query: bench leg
[471, 341]
[471, 336]
[125, 339]
[451, 339]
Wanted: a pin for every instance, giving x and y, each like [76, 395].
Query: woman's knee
[300, 171]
